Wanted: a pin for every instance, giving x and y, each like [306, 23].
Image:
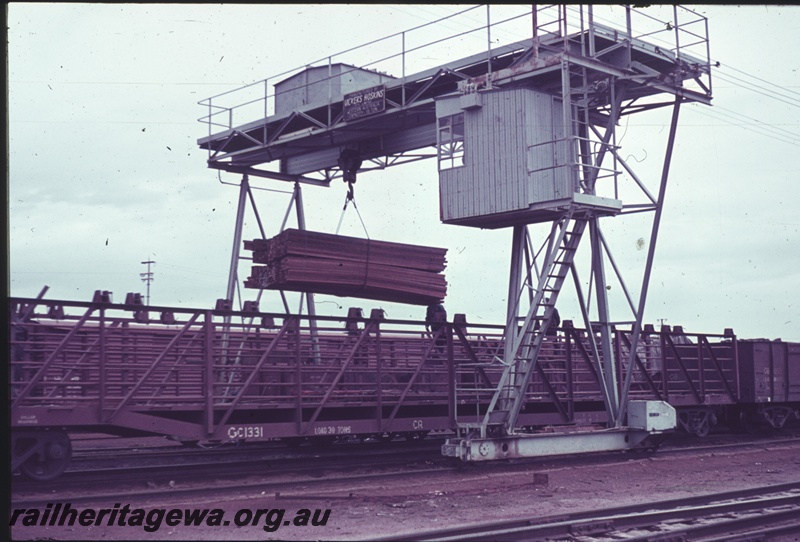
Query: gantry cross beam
[306, 142]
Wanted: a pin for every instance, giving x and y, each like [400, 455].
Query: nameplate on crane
[364, 102]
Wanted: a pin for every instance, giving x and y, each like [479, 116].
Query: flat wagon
[220, 375]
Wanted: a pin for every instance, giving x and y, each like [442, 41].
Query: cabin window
[451, 141]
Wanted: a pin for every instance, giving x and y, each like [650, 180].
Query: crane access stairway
[523, 344]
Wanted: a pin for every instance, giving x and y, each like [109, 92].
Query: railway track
[269, 471]
[761, 513]
[107, 461]
[273, 469]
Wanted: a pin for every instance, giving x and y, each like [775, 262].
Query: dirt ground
[424, 502]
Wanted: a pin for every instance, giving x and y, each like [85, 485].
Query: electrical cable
[743, 84]
[764, 130]
[760, 79]
[775, 127]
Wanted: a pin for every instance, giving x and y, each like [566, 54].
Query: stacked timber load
[305, 261]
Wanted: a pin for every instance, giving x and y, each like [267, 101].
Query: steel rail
[274, 476]
[613, 520]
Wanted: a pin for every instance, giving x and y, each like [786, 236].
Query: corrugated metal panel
[517, 194]
[505, 135]
[449, 194]
[547, 153]
[496, 140]
[515, 155]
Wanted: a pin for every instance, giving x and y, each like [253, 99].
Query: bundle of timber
[304, 261]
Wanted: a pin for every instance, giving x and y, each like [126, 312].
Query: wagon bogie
[41, 454]
[777, 416]
[697, 421]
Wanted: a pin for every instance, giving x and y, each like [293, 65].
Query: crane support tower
[525, 134]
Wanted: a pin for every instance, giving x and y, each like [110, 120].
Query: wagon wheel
[703, 428]
[50, 460]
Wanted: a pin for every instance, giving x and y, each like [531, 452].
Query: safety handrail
[669, 32]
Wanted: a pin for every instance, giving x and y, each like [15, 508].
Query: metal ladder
[520, 360]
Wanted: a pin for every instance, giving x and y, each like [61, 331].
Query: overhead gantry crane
[524, 132]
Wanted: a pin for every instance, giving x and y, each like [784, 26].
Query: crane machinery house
[361, 91]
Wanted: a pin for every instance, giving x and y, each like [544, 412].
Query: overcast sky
[105, 171]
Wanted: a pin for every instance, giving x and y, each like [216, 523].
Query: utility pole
[148, 278]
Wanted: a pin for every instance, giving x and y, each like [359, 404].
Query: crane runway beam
[307, 137]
